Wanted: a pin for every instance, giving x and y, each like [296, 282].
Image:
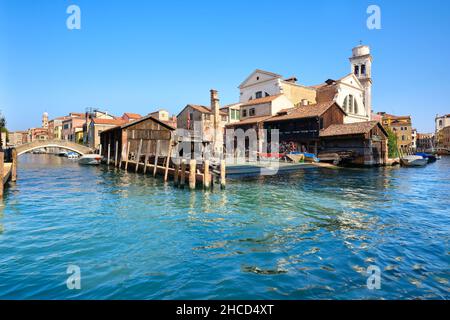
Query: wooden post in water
[176, 173]
[116, 153]
[183, 173]
[206, 175]
[14, 165]
[192, 173]
[2, 173]
[128, 155]
[169, 154]
[156, 158]
[147, 155]
[222, 174]
[138, 156]
[109, 154]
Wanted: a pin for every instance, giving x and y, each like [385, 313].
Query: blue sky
[141, 55]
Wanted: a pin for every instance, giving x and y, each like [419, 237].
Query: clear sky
[139, 56]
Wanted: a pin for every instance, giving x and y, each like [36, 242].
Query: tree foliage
[392, 144]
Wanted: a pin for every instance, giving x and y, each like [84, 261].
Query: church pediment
[258, 76]
[351, 80]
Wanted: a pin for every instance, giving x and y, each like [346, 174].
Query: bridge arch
[68, 145]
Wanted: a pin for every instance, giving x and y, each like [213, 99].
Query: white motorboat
[90, 159]
[413, 161]
[73, 155]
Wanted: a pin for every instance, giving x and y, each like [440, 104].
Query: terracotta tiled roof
[77, 114]
[261, 100]
[115, 122]
[391, 116]
[309, 111]
[326, 93]
[249, 120]
[349, 129]
[132, 115]
[204, 109]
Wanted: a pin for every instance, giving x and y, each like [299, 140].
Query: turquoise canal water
[307, 235]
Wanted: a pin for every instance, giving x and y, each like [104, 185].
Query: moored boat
[90, 159]
[73, 155]
[413, 161]
[430, 157]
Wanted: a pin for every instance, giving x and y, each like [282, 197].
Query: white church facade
[353, 92]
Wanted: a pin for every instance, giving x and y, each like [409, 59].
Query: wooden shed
[140, 143]
[364, 143]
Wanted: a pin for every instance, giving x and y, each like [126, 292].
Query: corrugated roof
[350, 129]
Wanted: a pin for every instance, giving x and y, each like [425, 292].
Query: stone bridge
[63, 144]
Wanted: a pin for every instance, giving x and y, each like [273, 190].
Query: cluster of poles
[8, 170]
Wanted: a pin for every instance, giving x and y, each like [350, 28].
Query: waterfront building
[97, 126]
[299, 127]
[72, 124]
[55, 128]
[443, 140]
[99, 122]
[441, 122]
[414, 139]
[141, 140]
[17, 138]
[204, 124]
[263, 84]
[401, 126]
[35, 134]
[425, 141]
[366, 141]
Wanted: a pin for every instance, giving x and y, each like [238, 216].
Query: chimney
[215, 107]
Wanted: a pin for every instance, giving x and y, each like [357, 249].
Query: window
[252, 112]
[266, 94]
[355, 106]
[363, 69]
[345, 106]
[244, 113]
[258, 95]
[350, 103]
[234, 114]
[356, 70]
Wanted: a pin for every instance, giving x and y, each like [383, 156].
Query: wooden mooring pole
[192, 173]
[176, 173]
[14, 166]
[222, 174]
[138, 156]
[2, 172]
[116, 153]
[183, 173]
[206, 175]
[109, 153]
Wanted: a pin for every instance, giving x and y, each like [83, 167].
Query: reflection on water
[306, 235]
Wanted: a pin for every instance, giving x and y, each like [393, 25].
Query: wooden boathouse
[148, 145]
[366, 141]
